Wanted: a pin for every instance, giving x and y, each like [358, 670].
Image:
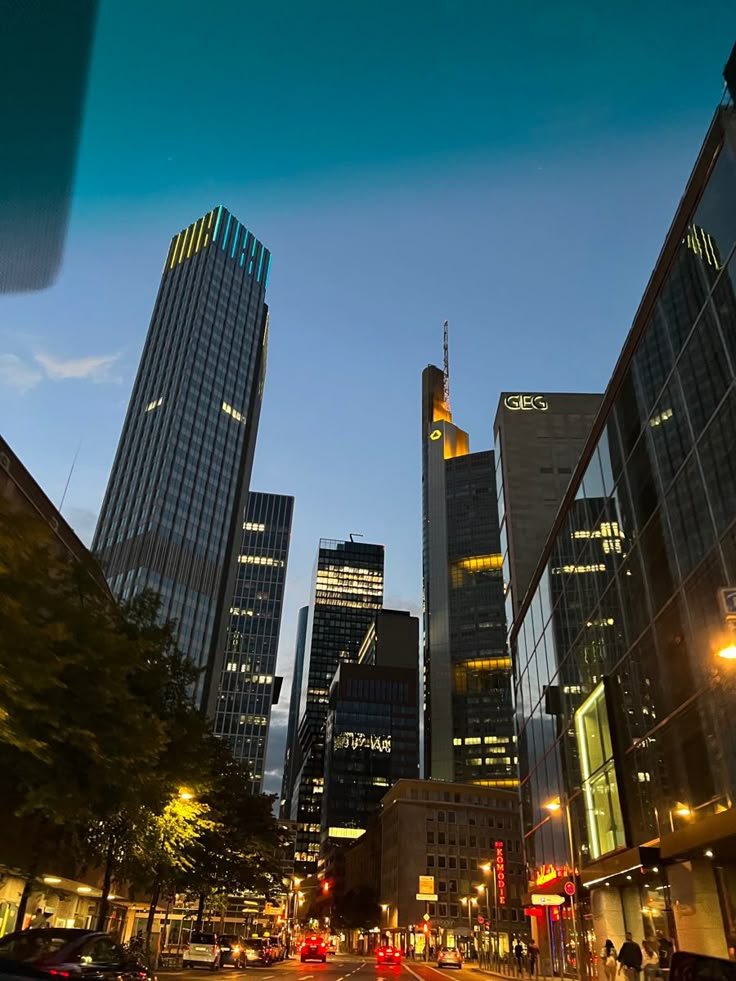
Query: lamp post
[469, 901]
[562, 805]
[490, 867]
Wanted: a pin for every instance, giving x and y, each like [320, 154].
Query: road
[341, 967]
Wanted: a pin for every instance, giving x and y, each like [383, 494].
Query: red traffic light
[326, 886]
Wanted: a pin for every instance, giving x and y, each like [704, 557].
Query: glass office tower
[248, 686]
[179, 482]
[625, 709]
[348, 590]
[468, 714]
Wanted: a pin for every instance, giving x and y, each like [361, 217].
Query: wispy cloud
[23, 375]
[96, 369]
[17, 375]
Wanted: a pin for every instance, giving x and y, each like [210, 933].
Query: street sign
[426, 886]
[427, 897]
[426, 917]
[727, 598]
[540, 899]
[569, 888]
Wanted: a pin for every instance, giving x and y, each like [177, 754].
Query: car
[203, 950]
[232, 951]
[279, 948]
[258, 950]
[449, 957]
[388, 955]
[313, 949]
[67, 952]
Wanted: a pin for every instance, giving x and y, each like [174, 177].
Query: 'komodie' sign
[362, 740]
[500, 874]
[526, 402]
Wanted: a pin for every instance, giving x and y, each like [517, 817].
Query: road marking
[429, 967]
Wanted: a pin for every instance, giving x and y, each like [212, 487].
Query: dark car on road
[258, 951]
[313, 949]
[66, 953]
[232, 950]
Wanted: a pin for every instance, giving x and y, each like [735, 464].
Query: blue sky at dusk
[510, 167]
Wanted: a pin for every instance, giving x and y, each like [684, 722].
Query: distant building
[248, 686]
[539, 437]
[172, 514]
[347, 593]
[468, 714]
[372, 732]
[291, 754]
[452, 833]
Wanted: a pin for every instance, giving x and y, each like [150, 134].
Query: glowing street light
[185, 794]
[553, 806]
[728, 653]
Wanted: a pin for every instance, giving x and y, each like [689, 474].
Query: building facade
[468, 713]
[291, 754]
[372, 731]
[625, 710]
[456, 835]
[539, 437]
[347, 593]
[248, 686]
[170, 519]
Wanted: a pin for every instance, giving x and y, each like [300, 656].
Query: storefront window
[600, 789]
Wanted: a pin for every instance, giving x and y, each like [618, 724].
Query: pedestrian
[650, 960]
[664, 949]
[532, 952]
[38, 921]
[609, 960]
[519, 955]
[630, 958]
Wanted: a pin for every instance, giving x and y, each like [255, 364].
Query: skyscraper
[538, 441]
[179, 481]
[468, 716]
[348, 590]
[291, 754]
[248, 686]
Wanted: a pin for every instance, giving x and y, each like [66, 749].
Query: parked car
[203, 950]
[278, 948]
[69, 952]
[313, 949]
[388, 955]
[258, 950]
[232, 950]
[449, 957]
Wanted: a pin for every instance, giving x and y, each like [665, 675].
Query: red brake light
[58, 974]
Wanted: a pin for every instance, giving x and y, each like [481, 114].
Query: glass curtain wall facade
[468, 711]
[247, 679]
[291, 755]
[624, 711]
[179, 482]
[348, 591]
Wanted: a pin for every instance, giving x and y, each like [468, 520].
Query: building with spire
[468, 716]
[172, 514]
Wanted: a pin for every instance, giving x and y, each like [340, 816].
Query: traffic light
[326, 886]
[426, 927]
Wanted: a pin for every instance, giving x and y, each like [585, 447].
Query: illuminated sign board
[362, 740]
[500, 866]
[548, 873]
[526, 402]
[426, 885]
[541, 899]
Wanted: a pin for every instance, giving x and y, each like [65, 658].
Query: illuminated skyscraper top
[180, 477]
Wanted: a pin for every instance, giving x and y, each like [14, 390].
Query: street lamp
[470, 901]
[487, 868]
[562, 804]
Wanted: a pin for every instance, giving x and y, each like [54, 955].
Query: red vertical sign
[500, 874]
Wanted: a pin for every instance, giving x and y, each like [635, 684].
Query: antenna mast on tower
[447, 365]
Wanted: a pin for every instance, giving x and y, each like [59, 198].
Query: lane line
[429, 967]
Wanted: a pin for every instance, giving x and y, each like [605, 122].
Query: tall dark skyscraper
[248, 686]
[468, 716]
[291, 755]
[171, 516]
[348, 590]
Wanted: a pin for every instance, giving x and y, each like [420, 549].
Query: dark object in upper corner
[729, 73]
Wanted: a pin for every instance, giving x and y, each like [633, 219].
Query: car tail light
[58, 974]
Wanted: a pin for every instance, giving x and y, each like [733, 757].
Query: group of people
[650, 957]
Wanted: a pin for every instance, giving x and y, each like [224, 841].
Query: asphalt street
[340, 967]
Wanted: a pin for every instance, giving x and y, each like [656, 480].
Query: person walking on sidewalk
[630, 959]
[532, 952]
[609, 960]
[519, 955]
